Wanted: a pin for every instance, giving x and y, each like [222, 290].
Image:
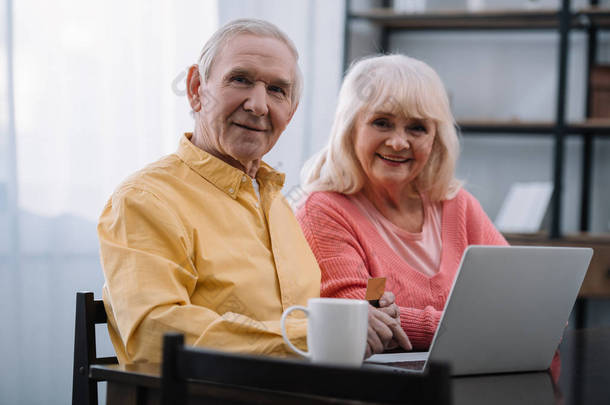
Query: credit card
[374, 290]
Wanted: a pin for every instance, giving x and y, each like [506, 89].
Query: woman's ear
[193, 82]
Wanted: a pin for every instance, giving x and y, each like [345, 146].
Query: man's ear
[293, 111]
[193, 82]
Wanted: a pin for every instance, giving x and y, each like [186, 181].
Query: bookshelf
[564, 20]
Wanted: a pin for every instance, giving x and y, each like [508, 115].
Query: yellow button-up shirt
[187, 246]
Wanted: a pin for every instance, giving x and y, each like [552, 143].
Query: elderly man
[202, 241]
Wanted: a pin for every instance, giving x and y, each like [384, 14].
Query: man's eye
[240, 79]
[276, 89]
[382, 123]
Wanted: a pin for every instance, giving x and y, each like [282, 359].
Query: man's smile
[250, 128]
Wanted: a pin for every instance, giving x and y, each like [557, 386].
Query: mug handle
[283, 323]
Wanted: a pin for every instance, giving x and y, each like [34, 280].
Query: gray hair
[407, 87]
[250, 26]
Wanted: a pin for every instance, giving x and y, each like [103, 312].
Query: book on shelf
[600, 91]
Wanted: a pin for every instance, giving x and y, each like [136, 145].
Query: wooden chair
[89, 312]
[183, 366]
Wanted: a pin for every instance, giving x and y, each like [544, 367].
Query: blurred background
[92, 91]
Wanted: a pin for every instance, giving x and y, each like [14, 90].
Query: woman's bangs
[420, 101]
[394, 93]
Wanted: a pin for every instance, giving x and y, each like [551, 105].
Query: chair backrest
[89, 312]
[182, 363]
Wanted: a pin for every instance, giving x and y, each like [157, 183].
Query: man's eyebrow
[238, 71]
[282, 83]
[241, 71]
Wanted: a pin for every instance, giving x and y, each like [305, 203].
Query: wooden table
[584, 380]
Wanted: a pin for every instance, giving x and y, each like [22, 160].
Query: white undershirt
[421, 250]
[256, 188]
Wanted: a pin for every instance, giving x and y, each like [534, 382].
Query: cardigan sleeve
[345, 264]
[336, 247]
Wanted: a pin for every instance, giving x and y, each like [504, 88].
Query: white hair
[401, 85]
[250, 26]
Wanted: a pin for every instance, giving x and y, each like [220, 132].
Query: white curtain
[98, 93]
[93, 94]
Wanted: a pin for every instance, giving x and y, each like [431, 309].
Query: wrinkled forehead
[257, 53]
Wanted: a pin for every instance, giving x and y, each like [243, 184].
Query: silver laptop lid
[508, 308]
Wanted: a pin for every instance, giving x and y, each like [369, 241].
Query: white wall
[94, 101]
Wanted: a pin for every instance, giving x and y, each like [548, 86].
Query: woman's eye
[418, 128]
[382, 123]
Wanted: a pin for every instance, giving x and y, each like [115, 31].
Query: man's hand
[385, 332]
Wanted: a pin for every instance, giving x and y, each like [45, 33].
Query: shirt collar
[221, 174]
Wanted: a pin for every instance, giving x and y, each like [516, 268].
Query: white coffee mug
[336, 330]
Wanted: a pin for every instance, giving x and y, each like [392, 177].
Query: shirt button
[231, 190]
[243, 179]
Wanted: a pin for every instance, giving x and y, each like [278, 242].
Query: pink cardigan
[349, 250]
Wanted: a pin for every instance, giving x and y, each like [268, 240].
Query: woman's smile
[393, 160]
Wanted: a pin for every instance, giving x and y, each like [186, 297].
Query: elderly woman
[384, 200]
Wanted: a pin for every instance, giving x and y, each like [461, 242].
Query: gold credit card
[374, 290]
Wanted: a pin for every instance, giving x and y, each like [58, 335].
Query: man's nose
[256, 102]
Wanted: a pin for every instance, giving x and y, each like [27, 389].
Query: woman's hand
[388, 306]
[385, 332]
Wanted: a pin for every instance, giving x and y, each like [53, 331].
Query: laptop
[506, 312]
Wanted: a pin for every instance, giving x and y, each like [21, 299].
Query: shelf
[598, 17]
[580, 239]
[487, 20]
[508, 127]
[599, 126]
[595, 127]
